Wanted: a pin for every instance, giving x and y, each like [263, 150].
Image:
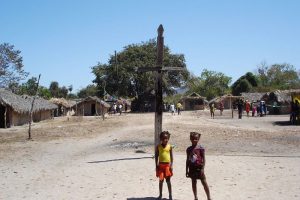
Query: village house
[193, 102]
[279, 101]
[14, 109]
[228, 100]
[91, 106]
[64, 107]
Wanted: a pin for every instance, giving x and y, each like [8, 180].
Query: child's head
[195, 137]
[164, 137]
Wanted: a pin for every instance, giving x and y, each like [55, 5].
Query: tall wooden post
[5, 113]
[31, 110]
[158, 85]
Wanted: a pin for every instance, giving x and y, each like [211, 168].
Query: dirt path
[89, 158]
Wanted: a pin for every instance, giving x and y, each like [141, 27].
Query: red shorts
[164, 171]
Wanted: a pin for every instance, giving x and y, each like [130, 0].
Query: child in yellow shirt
[164, 163]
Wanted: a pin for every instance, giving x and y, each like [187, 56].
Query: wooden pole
[5, 125]
[158, 86]
[31, 109]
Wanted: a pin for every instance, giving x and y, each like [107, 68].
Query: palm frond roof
[22, 104]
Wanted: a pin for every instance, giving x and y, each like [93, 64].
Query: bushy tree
[210, 84]
[90, 90]
[278, 76]
[120, 76]
[244, 84]
[54, 89]
[11, 65]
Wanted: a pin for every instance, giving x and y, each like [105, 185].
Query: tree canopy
[120, 76]
[244, 84]
[210, 84]
[11, 65]
[277, 76]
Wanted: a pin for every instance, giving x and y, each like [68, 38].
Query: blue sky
[63, 39]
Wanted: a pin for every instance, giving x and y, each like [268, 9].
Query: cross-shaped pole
[158, 83]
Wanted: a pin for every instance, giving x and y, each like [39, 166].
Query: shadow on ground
[145, 198]
[283, 123]
[121, 159]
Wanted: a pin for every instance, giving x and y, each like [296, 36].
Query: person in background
[221, 107]
[247, 107]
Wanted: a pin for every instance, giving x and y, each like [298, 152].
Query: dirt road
[87, 158]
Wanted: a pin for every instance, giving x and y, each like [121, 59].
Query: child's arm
[172, 159]
[156, 157]
[202, 169]
[187, 164]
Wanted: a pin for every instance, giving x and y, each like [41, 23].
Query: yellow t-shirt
[164, 154]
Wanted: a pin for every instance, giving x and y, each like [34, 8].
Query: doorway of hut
[2, 118]
[93, 109]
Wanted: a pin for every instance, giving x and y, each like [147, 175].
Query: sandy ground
[87, 158]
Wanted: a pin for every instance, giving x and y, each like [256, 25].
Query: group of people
[195, 163]
[117, 108]
[171, 107]
[258, 108]
[212, 109]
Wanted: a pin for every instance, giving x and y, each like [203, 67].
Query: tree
[241, 85]
[63, 92]
[210, 84]
[11, 65]
[278, 76]
[120, 77]
[90, 90]
[54, 89]
[29, 87]
[244, 84]
[44, 92]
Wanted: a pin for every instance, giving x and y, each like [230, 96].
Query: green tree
[210, 84]
[244, 84]
[54, 89]
[63, 92]
[11, 65]
[241, 85]
[44, 92]
[278, 76]
[120, 77]
[90, 90]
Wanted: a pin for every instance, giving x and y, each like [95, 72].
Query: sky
[63, 39]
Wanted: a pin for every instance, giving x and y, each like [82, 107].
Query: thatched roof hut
[193, 101]
[14, 109]
[22, 104]
[228, 101]
[91, 106]
[253, 96]
[64, 106]
[278, 102]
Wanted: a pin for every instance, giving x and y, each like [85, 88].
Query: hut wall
[193, 104]
[42, 115]
[86, 107]
[18, 119]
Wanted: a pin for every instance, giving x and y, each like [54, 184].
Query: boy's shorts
[163, 171]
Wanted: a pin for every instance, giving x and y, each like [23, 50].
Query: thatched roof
[253, 96]
[221, 98]
[22, 104]
[194, 95]
[96, 99]
[63, 102]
